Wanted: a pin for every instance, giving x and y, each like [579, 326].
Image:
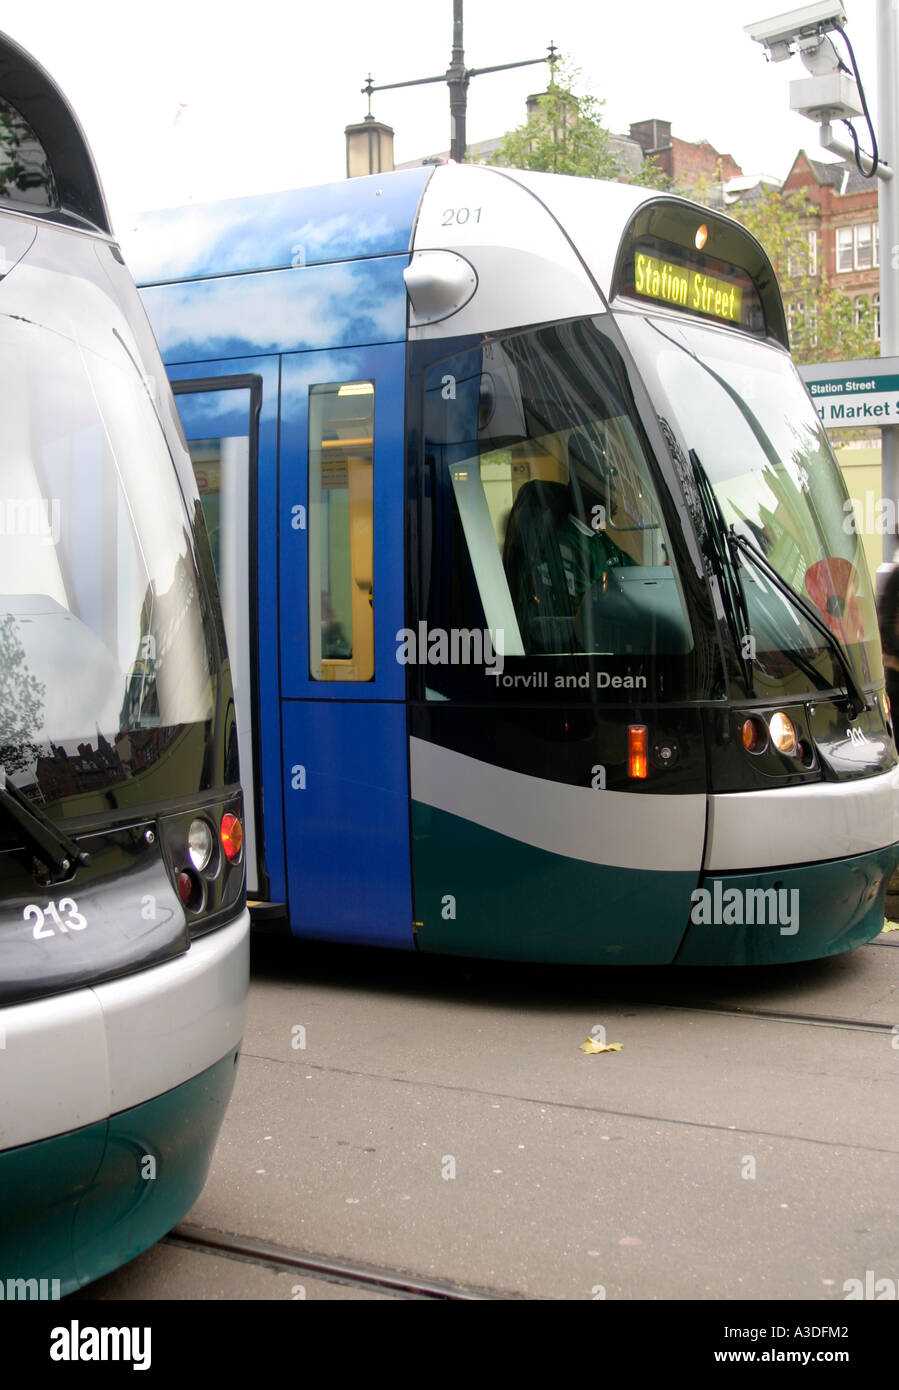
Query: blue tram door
[343, 718]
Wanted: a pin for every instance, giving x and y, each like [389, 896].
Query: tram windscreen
[105, 652]
[558, 536]
[740, 410]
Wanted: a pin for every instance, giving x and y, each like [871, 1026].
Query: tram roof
[370, 216]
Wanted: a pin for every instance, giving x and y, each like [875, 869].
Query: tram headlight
[200, 844]
[783, 733]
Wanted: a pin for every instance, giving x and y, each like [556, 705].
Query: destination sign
[686, 288]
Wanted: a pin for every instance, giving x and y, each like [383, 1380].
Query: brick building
[688, 164]
[685, 163]
[843, 236]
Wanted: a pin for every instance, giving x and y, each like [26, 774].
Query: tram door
[341, 604]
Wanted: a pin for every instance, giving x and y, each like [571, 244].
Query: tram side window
[341, 556]
[553, 498]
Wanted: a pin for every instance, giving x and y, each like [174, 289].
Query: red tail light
[232, 837]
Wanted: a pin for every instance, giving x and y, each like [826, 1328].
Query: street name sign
[853, 395]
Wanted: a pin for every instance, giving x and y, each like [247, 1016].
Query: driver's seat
[534, 569]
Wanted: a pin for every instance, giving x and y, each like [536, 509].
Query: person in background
[889, 636]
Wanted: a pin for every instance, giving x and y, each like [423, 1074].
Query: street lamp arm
[415, 82]
[501, 67]
[457, 78]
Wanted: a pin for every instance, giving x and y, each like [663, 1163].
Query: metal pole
[457, 80]
[888, 213]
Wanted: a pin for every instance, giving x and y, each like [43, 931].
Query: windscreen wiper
[728, 572]
[857, 700]
[53, 855]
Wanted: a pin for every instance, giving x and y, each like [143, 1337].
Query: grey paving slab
[686, 1067]
[438, 1117]
[545, 1201]
[172, 1272]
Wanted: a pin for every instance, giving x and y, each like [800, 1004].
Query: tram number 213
[43, 916]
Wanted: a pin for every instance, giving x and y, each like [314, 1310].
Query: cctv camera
[778, 33]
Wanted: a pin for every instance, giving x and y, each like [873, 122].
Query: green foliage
[824, 326]
[565, 136]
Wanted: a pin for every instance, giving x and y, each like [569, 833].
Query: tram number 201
[73, 920]
[460, 216]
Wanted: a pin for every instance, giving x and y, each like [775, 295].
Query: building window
[867, 314]
[864, 246]
[804, 259]
[844, 248]
[858, 247]
[795, 314]
[802, 324]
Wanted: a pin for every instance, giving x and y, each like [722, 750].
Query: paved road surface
[413, 1120]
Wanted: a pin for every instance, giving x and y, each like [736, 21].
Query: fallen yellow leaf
[591, 1045]
[889, 926]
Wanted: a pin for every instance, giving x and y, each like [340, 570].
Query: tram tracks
[858, 1025]
[353, 1274]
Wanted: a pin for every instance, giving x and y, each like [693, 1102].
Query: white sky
[264, 89]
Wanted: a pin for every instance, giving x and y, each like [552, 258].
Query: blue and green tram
[124, 931]
[549, 640]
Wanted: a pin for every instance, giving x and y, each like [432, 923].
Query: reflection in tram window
[25, 172]
[341, 581]
[557, 506]
[747, 420]
[100, 608]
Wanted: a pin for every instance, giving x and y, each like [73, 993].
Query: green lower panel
[79, 1205]
[479, 893]
[820, 910]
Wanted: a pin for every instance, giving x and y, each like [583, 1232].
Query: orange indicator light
[637, 741]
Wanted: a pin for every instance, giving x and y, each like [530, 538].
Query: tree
[565, 135]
